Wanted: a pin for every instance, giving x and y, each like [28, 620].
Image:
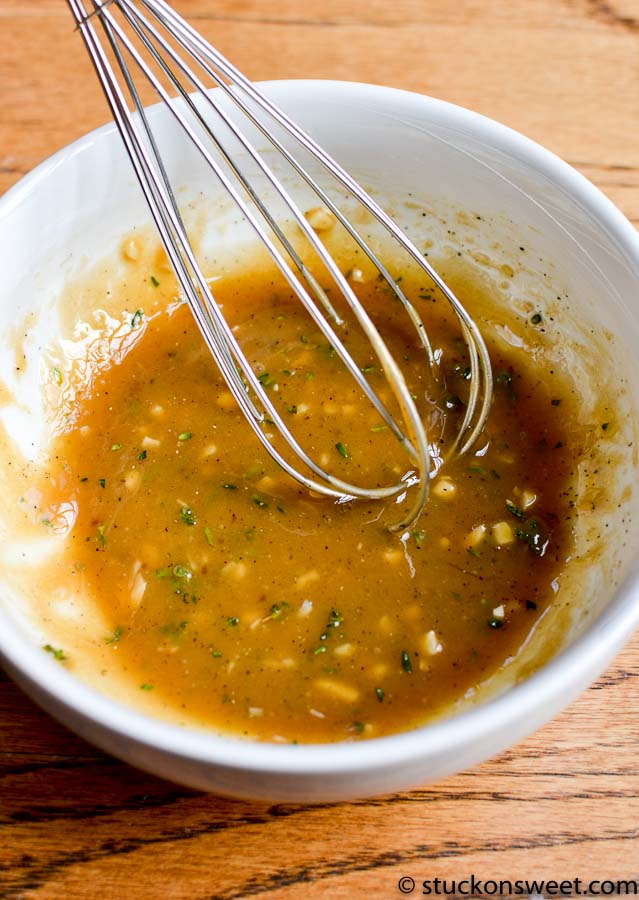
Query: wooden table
[563, 804]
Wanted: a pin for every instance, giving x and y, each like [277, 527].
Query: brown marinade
[266, 612]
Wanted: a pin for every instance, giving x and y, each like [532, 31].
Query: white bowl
[82, 200]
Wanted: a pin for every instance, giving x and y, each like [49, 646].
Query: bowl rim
[572, 668]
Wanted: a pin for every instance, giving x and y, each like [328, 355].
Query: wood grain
[565, 803]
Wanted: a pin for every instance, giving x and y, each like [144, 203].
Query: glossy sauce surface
[265, 612]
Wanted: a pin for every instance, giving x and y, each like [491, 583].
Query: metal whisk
[150, 37]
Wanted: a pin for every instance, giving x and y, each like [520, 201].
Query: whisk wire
[242, 380]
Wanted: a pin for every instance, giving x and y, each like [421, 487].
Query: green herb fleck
[379, 693]
[341, 449]
[154, 281]
[137, 318]
[188, 516]
[59, 654]
[532, 535]
[495, 623]
[57, 375]
[293, 409]
[116, 447]
[232, 621]
[147, 687]
[259, 501]
[116, 636]
[182, 572]
[229, 487]
[473, 552]
[102, 482]
[536, 319]
[216, 654]
[357, 727]
[265, 379]
[478, 469]
[377, 428]
[406, 663]
[185, 436]
[605, 426]
[420, 537]
[208, 533]
[515, 510]
[308, 376]
[141, 455]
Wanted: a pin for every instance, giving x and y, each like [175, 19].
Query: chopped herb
[188, 516]
[495, 473]
[229, 487]
[86, 478]
[478, 469]
[185, 436]
[341, 449]
[309, 376]
[406, 663]
[536, 319]
[376, 428]
[473, 552]
[533, 536]
[232, 621]
[265, 379]
[277, 611]
[450, 401]
[216, 654]
[137, 318]
[147, 687]
[102, 482]
[173, 629]
[154, 281]
[182, 572]
[101, 536]
[59, 654]
[320, 649]
[605, 426]
[303, 339]
[116, 636]
[258, 501]
[357, 727]
[515, 510]
[116, 447]
[420, 537]
[379, 693]
[208, 533]
[504, 377]
[464, 372]
[57, 375]
[293, 409]
[141, 455]
[368, 369]
[495, 623]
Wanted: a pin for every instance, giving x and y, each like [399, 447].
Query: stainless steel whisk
[162, 45]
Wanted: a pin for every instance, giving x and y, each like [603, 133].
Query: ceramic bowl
[482, 186]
